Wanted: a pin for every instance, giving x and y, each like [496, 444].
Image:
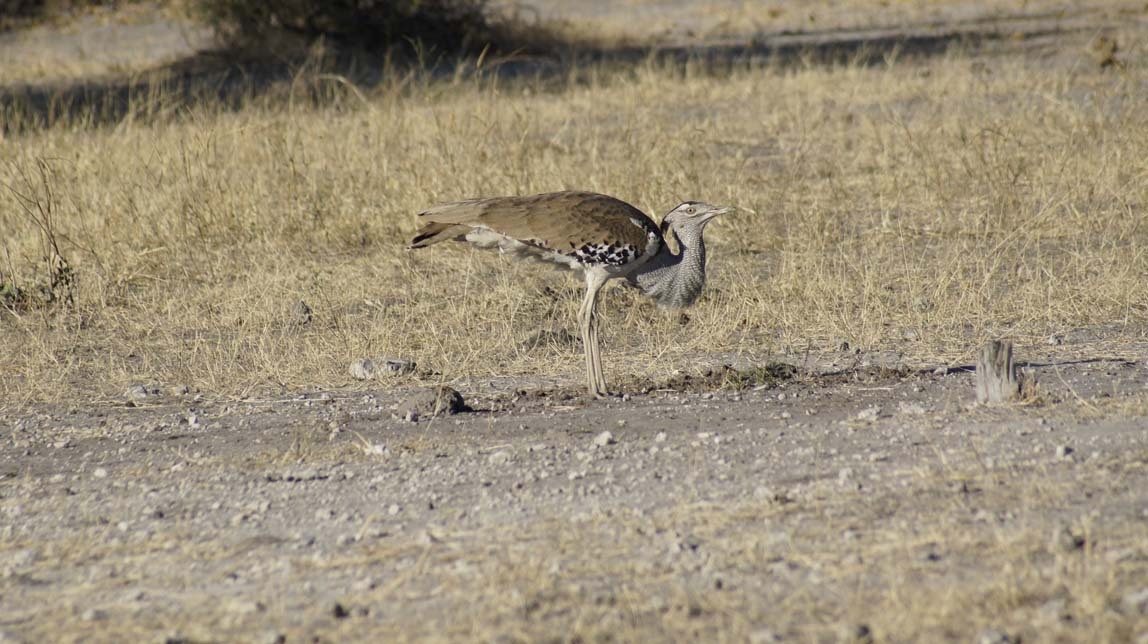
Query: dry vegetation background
[921, 207]
[909, 205]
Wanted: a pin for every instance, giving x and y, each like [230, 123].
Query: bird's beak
[719, 211]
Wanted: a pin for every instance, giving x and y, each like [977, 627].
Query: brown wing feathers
[561, 221]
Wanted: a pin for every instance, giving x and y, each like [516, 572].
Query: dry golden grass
[921, 207]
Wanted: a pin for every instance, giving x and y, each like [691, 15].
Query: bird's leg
[596, 346]
[587, 318]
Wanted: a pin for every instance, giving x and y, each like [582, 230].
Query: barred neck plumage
[675, 280]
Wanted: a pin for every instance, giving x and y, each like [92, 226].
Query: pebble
[994, 636]
[136, 392]
[397, 366]
[432, 401]
[869, 414]
[1054, 610]
[100, 473]
[362, 369]
[660, 437]
[501, 457]
[861, 634]
[1063, 451]
[94, 614]
[911, 408]
[1136, 602]
[604, 439]
[23, 557]
[764, 636]
[368, 369]
[245, 606]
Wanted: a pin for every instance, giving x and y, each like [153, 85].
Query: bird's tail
[446, 221]
[435, 232]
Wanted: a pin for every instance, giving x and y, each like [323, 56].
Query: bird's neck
[674, 280]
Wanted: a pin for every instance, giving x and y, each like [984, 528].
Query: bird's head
[692, 215]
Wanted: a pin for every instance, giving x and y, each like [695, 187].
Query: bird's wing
[562, 221]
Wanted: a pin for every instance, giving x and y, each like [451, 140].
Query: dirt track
[786, 512]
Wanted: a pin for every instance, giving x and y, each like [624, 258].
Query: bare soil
[816, 509]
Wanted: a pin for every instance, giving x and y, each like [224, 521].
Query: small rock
[764, 636]
[604, 439]
[433, 402]
[393, 509]
[501, 457]
[396, 366]
[1063, 451]
[911, 408]
[23, 557]
[1067, 539]
[271, 637]
[362, 369]
[660, 437]
[246, 606]
[100, 473]
[1055, 339]
[861, 634]
[1054, 610]
[94, 614]
[1136, 602]
[994, 636]
[300, 313]
[869, 414]
[368, 368]
[139, 392]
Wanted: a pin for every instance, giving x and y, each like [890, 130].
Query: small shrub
[392, 26]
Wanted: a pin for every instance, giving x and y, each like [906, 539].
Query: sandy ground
[787, 512]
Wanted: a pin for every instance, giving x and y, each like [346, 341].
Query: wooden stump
[996, 373]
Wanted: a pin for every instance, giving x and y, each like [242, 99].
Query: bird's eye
[691, 210]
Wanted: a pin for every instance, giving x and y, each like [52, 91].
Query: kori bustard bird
[601, 237]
